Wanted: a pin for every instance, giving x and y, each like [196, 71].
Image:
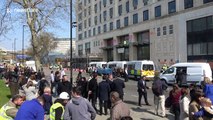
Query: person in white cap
[57, 109]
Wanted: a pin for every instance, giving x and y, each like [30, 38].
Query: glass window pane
[210, 48]
[172, 7]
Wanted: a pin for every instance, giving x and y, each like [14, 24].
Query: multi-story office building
[165, 31]
[63, 45]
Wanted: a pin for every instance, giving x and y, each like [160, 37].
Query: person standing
[64, 86]
[31, 110]
[103, 91]
[79, 108]
[158, 89]
[57, 81]
[126, 74]
[10, 109]
[93, 90]
[119, 108]
[184, 104]
[30, 90]
[57, 109]
[12, 78]
[142, 90]
[52, 80]
[118, 86]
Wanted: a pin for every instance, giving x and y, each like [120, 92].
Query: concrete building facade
[158, 30]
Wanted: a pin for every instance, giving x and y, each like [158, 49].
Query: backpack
[157, 88]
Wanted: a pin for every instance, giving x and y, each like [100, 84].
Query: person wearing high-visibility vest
[9, 110]
[57, 109]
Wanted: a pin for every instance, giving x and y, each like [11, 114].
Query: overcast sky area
[16, 33]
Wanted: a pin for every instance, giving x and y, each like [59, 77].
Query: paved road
[131, 98]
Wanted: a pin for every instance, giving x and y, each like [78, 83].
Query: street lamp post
[71, 80]
[23, 44]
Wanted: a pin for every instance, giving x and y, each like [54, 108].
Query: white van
[116, 64]
[195, 72]
[136, 69]
[96, 65]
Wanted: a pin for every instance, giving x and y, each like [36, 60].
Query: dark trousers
[103, 103]
[125, 77]
[140, 93]
[93, 99]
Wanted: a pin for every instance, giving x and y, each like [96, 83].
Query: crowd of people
[32, 94]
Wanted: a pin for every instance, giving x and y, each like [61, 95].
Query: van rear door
[194, 74]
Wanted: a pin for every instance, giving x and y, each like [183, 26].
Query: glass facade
[199, 39]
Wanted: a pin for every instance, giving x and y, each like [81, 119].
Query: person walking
[57, 109]
[126, 74]
[31, 110]
[118, 86]
[10, 109]
[79, 108]
[158, 89]
[119, 108]
[93, 90]
[142, 90]
[103, 95]
[30, 90]
[184, 104]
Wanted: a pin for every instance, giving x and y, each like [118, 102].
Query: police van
[136, 69]
[194, 72]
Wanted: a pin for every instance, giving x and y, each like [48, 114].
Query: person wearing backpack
[158, 89]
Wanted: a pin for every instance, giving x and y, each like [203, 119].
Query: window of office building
[110, 55]
[85, 34]
[88, 1]
[89, 10]
[170, 29]
[105, 15]
[94, 31]
[89, 32]
[199, 38]
[118, 24]
[96, 20]
[172, 7]
[105, 27]
[158, 11]
[110, 1]
[207, 1]
[127, 6]
[111, 26]
[119, 10]
[158, 31]
[100, 5]
[104, 3]
[145, 2]
[85, 2]
[89, 22]
[143, 49]
[79, 16]
[85, 12]
[164, 30]
[135, 4]
[96, 8]
[135, 18]
[111, 12]
[99, 29]
[188, 4]
[145, 15]
[85, 23]
[80, 50]
[100, 20]
[87, 48]
[80, 27]
[126, 21]
[80, 6]
[80, 36]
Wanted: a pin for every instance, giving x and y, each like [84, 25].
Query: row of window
[165, 30]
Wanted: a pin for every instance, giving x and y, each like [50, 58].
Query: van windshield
[148, 67]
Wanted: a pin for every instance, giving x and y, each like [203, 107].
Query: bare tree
[38, 15]
[45, 45]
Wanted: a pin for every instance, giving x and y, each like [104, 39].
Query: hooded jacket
[79, 109]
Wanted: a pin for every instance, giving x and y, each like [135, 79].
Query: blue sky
[16, 33]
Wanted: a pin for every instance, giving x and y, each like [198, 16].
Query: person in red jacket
[174, 95]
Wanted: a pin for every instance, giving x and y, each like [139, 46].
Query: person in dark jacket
[56, 82]
[142, 90]
[65, 85]
[12, 79]
[93, 89]
[48, 99]
[41, 85]
[103, 94]
[118, 86]
[84, 87]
